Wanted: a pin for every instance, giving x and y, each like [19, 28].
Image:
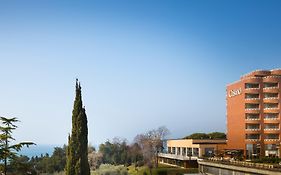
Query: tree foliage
[77, 150]
[9, 151]
[115, 152]
[144, 149]
[50, 164]
[151, 143]
[212, 135]
[43, 164]
[107, 169]
[94, 158]
[21, 165]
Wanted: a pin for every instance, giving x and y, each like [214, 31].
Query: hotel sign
[234, 92]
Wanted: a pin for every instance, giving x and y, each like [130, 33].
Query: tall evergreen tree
[77, 151]
[9, 151]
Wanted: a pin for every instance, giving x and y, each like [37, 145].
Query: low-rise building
[185, 152]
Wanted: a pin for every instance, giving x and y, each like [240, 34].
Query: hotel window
[252, 116]
[251, 106]
[178, 150]
[189, 152]
[270, 147]
[195, 152]
[271, 116]
[271, 126]
[252, 151]
[270, 105]
[270, 85]
[251, 85]
[183, 151]
[271, 150]
[271, 136]
[173, 150]
[252, 96]
[169, 150]
[253, 126]
[253, 136]
[270, 95]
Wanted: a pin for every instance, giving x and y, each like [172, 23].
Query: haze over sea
[38, 150]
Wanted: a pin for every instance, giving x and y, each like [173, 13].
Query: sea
[38, 150]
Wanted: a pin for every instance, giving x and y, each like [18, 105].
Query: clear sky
[142, 63]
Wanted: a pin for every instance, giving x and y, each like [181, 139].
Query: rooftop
[263, 73]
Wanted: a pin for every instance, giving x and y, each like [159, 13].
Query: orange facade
[253, 113]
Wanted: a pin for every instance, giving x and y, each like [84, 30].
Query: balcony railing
[270, 98]
[271, 139]
[273, 129]
[252, 109]
[252, 98]
[253, 129]
[269, 108]
[273, 87]
[252, 118]
[252, 86]
[271, 118]
[253, 139]
[177, 157]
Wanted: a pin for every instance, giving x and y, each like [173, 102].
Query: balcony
[252, 127]
[251, 86]
[273, 121]
[271, 118]
[252, 119]
[252, 116]
[270, 89]
[249, 96]
[252, 122]
[271, 127]
[268, 85]
[271, 131]
[252, 98]
[252, 106]
[252, 137]
[271, 100]
[271, 107]
[271, 137]
[270, 95]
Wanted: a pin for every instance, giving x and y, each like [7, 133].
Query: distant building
[185, 152]
[253, 114]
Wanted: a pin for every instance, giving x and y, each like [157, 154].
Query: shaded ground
[161, 170]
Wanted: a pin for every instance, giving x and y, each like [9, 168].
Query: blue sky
[142, 63]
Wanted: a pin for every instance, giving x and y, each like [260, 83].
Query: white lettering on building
[235, 92]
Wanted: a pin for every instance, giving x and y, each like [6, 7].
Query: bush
[162, 172]
[107, 169]
[267, 160]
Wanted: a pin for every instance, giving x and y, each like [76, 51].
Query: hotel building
[253, 114]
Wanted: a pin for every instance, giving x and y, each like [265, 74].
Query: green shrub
[162, 172]
[267, 160]
[107, 169]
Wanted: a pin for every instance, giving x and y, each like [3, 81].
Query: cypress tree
[77, 150]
